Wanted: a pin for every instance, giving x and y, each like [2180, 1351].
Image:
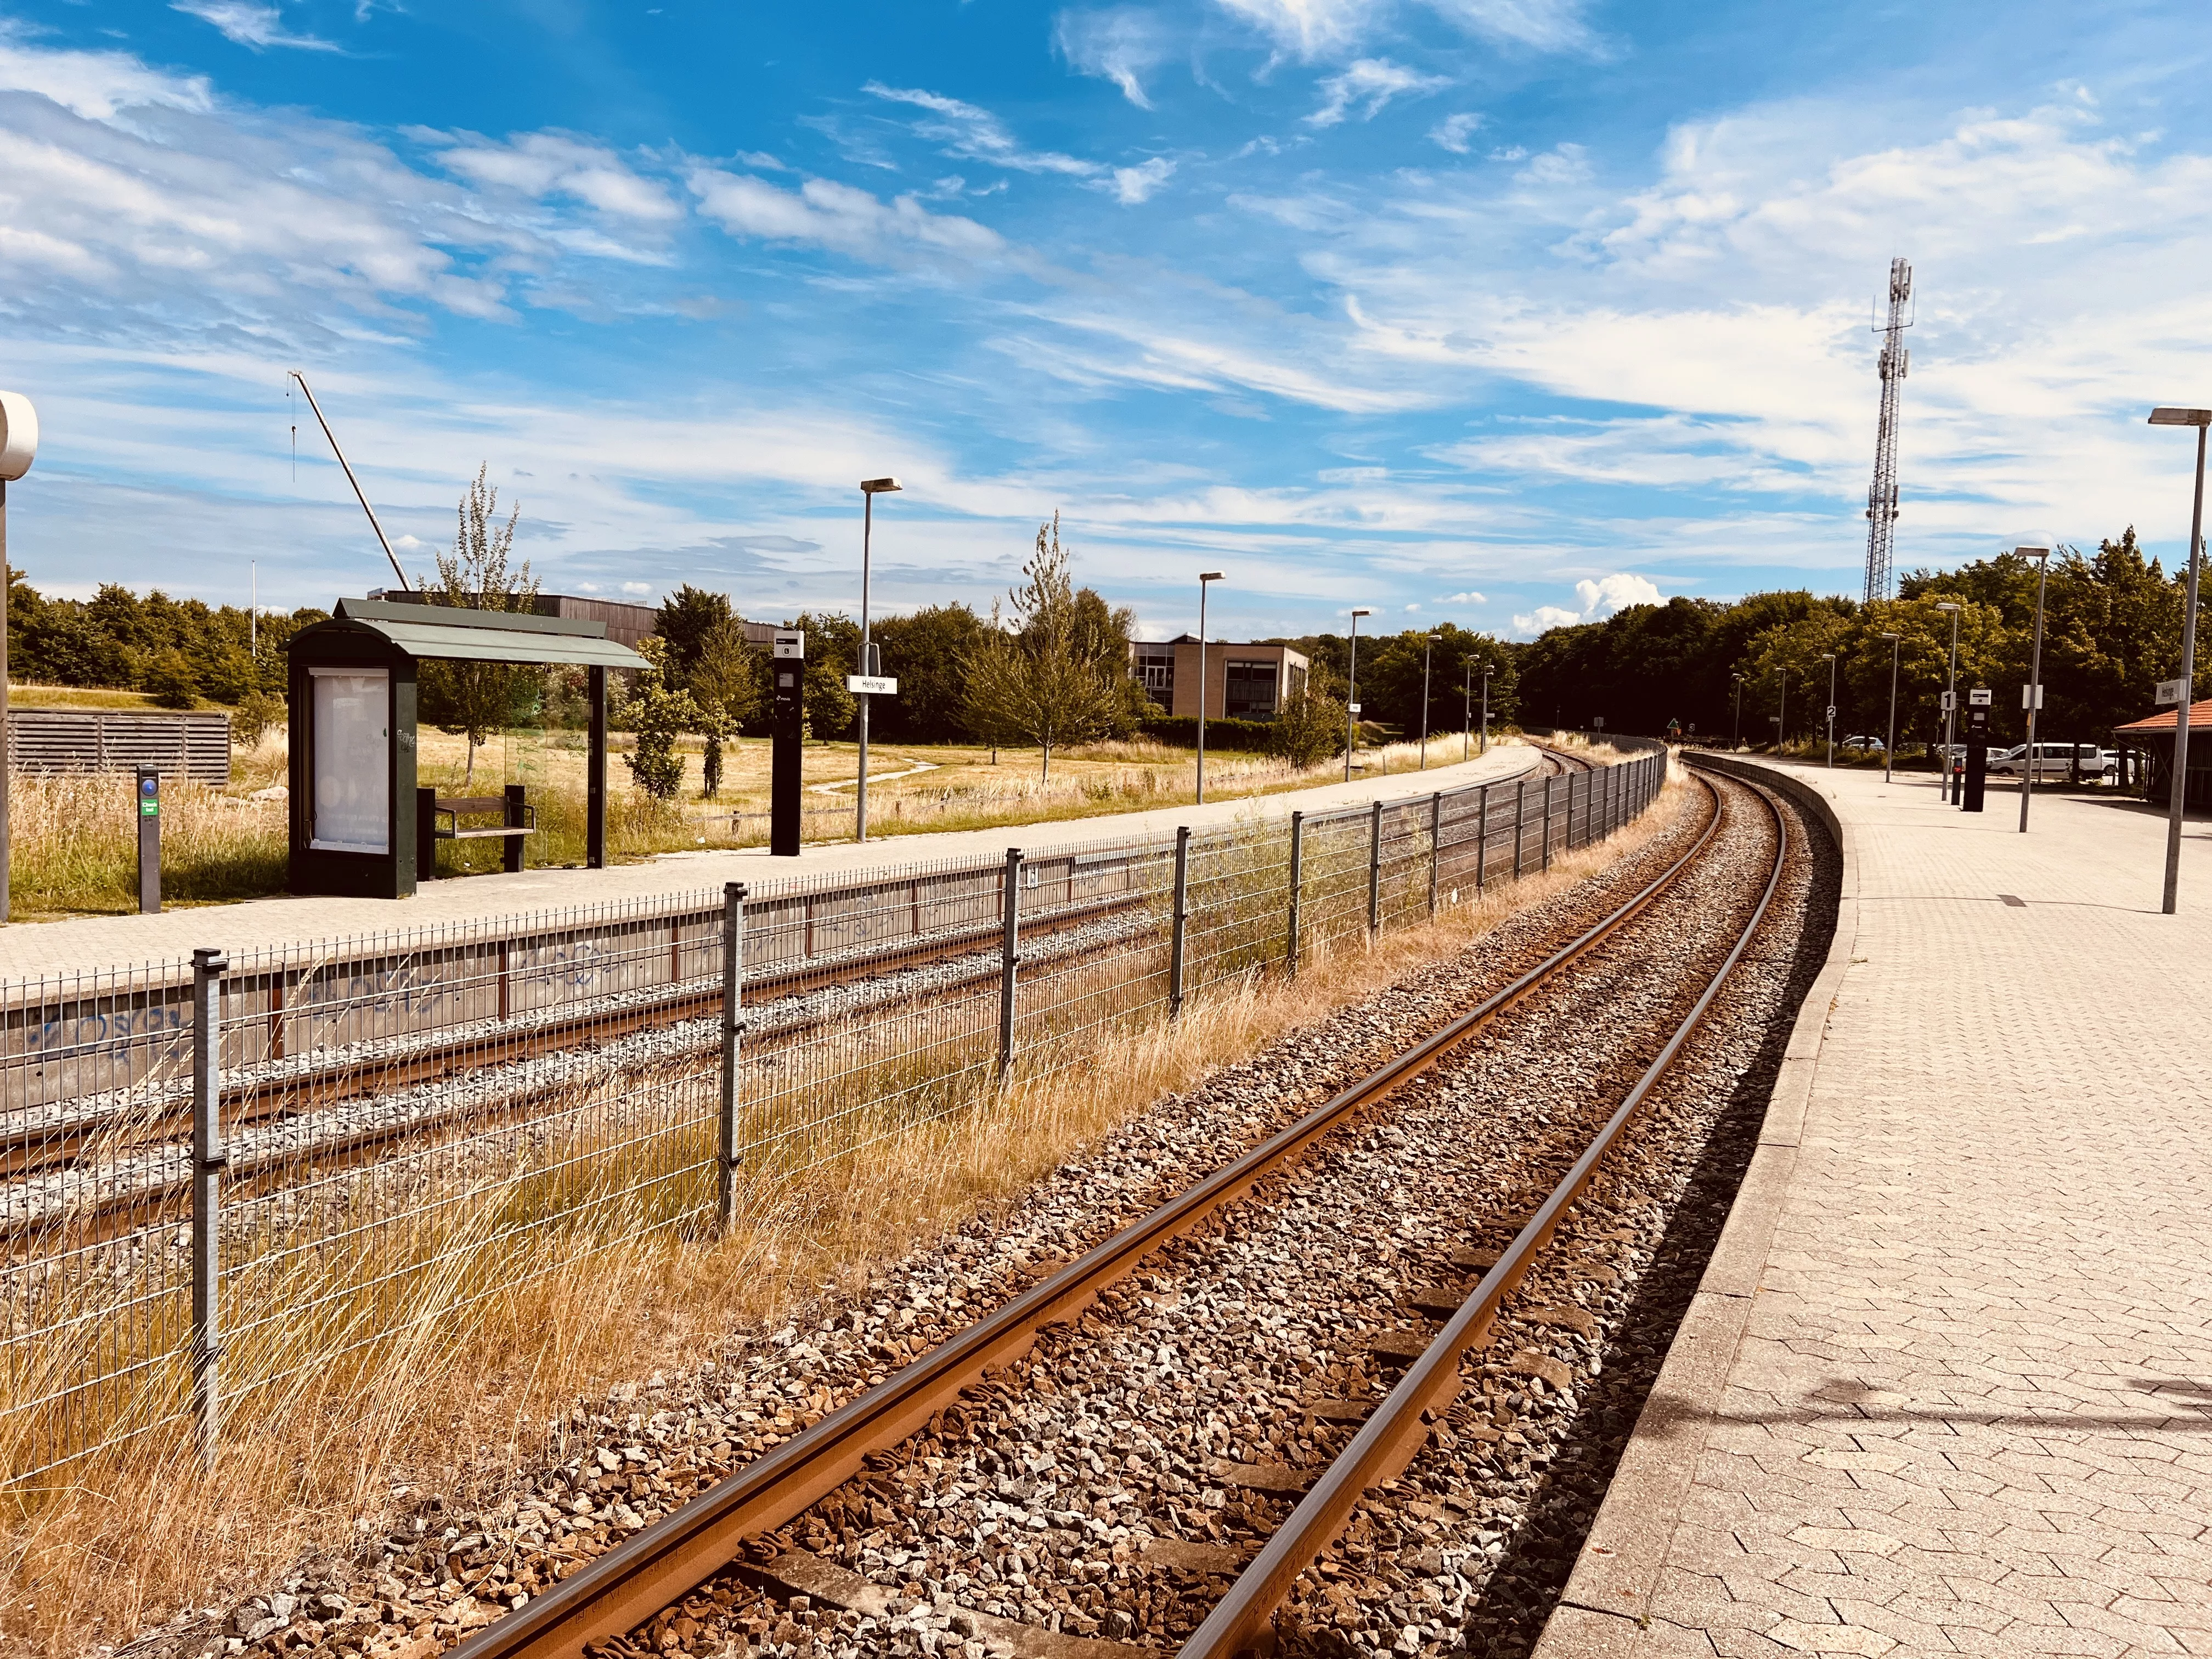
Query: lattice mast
[1881, 498]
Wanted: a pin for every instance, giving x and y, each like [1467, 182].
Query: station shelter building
[2147, 750]
[1243, 682]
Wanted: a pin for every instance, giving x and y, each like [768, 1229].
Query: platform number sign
[1979, 698]
[2169, 691]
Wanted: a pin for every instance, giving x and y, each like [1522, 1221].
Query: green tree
[660, 712]
[171, 679]
[254, 717]
[1050, 681]
[1309, 727]
[833, 649]
[925, 651]
[686, 617]
[474, 699]
[725, 684]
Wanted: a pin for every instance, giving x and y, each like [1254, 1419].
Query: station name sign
[873, 685]
[792, 644]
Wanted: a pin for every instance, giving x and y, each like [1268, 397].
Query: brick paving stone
[1982, 1333]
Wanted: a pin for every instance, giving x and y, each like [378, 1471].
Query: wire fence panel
[388, 1132]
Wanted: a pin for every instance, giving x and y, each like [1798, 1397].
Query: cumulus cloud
[1120, 44]
[1599, 598]
[1453, 132]
[1139, 184]
[1365, 87]
[251, 24]
[1470, 597]
[825, 213]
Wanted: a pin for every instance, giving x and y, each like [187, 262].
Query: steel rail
[658, 1565]
[1388, 1441]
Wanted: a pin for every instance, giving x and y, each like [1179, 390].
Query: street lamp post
[1829, 658]
[1204, 577]
[19, 442]
[1467, 709]
[1735, 737]
[1782, 717]
[870, 489]
[1428, 650]
[2199, 418]
[1486, 707]
[1889, 742]
[2033, 696]
[1949, 795]
[1351, 693]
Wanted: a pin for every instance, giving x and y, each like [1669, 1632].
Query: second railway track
[1252, 1356]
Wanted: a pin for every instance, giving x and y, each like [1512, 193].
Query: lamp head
[1209, 575]
[2032, 552]
[2181, 418]
[1827, 656]
[1946, 605]
[880, 486]
[1361, 611]
[1893, 636]
[19, 435]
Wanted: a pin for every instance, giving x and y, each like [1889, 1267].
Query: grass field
[73, 837]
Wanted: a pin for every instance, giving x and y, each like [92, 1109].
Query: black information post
[1978, 753]
[150, 842]
[786, 731]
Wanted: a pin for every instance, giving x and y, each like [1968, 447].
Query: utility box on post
[149, 801]
[786, 733]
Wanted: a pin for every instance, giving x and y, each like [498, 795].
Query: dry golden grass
[134, 1537]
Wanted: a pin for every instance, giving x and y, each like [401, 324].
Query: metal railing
[221, 1176]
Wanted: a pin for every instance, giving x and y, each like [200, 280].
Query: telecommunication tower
[1881, 499]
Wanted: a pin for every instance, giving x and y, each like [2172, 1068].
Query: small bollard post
[726, 1156]
[1180, 915]
[1520, 819]
[1008, 956]
[150, 842]
[1482, 835]
[1297, 872]
[208, 1162]
[1435, 844]
[1375, 870]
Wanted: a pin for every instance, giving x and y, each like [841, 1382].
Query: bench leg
[514, 820]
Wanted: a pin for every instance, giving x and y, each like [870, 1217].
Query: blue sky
[1505, 311]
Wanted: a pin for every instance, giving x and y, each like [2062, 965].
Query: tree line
[2112, 622]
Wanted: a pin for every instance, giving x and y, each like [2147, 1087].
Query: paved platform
[1947, 1386]
[93, 942]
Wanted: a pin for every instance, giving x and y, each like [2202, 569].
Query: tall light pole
[1467, 709]
[1782, 717]
[1736, 738]
[1204, 576]
[1829, 658]
[1428, 650]
[19, 443]
[2199, 418]
[2033, 696]
[1486, 671]
[1352, 694]
[1889, 745]
[1949, 792]
[870, 489]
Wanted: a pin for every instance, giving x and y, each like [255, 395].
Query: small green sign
[150, 809]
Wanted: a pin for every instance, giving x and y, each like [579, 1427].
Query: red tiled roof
[2200, 716]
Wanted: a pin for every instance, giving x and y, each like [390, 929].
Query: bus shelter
[352, 686]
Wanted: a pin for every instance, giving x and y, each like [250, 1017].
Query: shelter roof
[2157, 724]
[450, 634]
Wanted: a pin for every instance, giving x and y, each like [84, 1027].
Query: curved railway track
[624, 1588]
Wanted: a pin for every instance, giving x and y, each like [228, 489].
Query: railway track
[631, 1599]
[290, 1093]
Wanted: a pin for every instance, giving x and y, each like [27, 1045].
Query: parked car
[1874, 744]
[2054, 761]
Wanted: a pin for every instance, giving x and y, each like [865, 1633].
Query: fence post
[1297, 873]
[1180, 915]
[1547, 823]
[733, 974]
[1375, 870]
[208, 1163]
[1481, 835]
[1520, 818]
[1436, 844]
[1008, 957]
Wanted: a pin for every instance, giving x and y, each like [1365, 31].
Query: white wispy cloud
[539, 164]
[1469, 596]
[1318, 30]
[95, 86]
[1308, 29]
[252, 24]
[966, 129]
[1454, 132]
[1365, 87]
[1543, 25]
[824, 213]
[1121, 44]
[1599, 598]
[1140, 183]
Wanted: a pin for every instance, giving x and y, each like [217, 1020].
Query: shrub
[1181, 732]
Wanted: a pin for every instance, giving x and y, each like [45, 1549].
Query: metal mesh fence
[366, 1136]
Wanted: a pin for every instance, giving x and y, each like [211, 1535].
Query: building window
[1297, 678]
[1155, 670]
[1250, 693]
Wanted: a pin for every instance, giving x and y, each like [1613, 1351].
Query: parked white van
[2054, 761]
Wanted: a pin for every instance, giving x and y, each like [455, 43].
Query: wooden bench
[518, 820]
